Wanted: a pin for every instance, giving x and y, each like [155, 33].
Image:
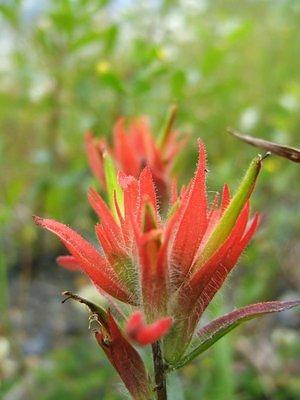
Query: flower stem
[4, 319]
[159, 371]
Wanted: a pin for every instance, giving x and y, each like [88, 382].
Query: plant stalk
[159, 372]
[4, 319]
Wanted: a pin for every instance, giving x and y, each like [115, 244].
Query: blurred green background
[71, 65]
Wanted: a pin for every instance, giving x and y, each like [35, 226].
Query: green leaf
[113, 187]
[111, 80]
[110, 37]
[85, 40]
[167, 127]
[212, 332]
[228, 220]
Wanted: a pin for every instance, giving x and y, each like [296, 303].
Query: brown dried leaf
[291, 153]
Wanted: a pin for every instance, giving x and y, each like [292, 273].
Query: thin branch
[159, 371]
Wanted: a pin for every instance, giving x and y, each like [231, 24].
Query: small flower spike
[134, 148]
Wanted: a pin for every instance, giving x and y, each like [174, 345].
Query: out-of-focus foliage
[72, 65]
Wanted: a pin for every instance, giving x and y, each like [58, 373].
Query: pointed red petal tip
[91, 261]
[144, 334]
[125, 180]
[88, 135]
[147, 187]
[94, 149]
[68, 262]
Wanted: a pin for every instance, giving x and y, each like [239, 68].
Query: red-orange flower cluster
[166, 268]
[134, 148]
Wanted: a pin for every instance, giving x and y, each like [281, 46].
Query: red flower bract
[168, 268]
[134, 148]
[125, 359]
[144, 334]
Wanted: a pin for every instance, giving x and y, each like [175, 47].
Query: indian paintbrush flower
[134, 148]
[166, 269]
